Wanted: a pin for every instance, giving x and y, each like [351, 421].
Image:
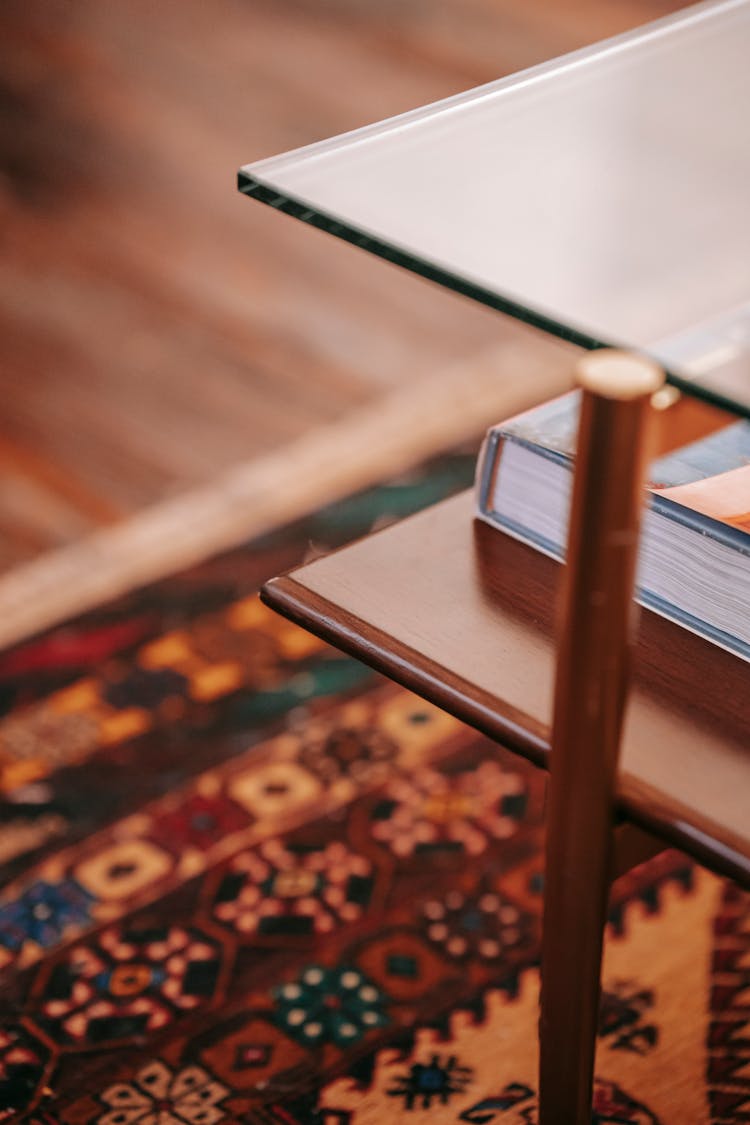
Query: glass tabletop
[603, 196]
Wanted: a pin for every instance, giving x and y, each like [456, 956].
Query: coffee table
[564, 196]
[602, 198]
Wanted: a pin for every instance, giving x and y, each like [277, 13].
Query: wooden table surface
[464, 615]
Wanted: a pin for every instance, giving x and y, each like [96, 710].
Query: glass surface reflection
[602, 196]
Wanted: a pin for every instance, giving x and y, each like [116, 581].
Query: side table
[602, 198]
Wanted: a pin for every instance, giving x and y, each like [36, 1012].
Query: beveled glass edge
[654, 29]
[250, 184]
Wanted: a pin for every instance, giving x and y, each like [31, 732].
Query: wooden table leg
[593, 656]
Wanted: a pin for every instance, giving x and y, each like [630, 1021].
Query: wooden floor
[158, 330]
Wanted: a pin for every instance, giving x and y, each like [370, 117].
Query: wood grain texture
[466, 617]
[157, 329]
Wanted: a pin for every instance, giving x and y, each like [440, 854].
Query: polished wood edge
[635, 800]
[725, 856]
[397, 661]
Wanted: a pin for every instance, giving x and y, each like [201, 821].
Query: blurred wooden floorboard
[156, 328]
[388, 436]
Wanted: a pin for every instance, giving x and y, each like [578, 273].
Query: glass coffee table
[603, 198]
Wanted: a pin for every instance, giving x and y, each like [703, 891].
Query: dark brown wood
[632, 846]
[465, 616]
[591, 682]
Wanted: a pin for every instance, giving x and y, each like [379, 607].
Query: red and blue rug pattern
[246, 880]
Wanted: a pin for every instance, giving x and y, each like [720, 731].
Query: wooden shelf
[464, 615]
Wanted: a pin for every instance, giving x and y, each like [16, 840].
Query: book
[694, 563]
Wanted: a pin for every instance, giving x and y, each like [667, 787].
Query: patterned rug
[245, 880]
